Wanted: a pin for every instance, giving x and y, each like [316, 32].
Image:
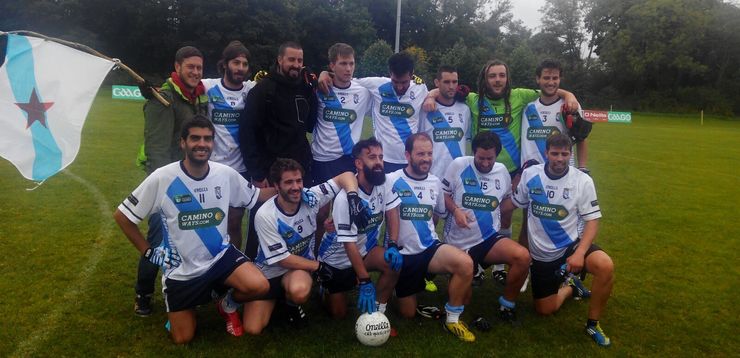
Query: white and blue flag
[46, 90]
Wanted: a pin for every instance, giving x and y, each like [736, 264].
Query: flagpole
[140, 80]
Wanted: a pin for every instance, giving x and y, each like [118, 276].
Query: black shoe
[481, 324]
[296, 316]
[143, 305]
[429, 312]
[499, 276]
[480, 275]
[507, 315]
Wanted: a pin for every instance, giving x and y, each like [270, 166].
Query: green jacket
[162, 125]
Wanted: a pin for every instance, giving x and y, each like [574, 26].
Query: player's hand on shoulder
[308, 197]
[325, 81]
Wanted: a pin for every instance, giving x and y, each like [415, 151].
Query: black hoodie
[278, 113]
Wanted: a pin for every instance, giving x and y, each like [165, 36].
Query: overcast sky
[528, 11]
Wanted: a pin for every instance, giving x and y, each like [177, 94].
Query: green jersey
[491, 115]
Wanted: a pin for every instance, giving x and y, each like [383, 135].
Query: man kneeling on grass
[557, 196]
[193, 196]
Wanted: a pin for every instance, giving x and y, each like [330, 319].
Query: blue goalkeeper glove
[366, 298]
[165, 257]
[392, 256]
[309, 198]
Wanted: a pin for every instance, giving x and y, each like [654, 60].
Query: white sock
[453, 312]
[228, 304]
[499, 267]
[381, 307]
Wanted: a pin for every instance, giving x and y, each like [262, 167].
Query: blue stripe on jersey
[293, 239]
[421, 227]
[452, 146]
[554, 231]
[400, 123]
[484, 218]
[221, 105]
[344, 133]
[372, 239]
[507, 138]
[535, 122]
[211, 238]
[326, 243]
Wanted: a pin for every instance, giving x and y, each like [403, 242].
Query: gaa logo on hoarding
[126, 92]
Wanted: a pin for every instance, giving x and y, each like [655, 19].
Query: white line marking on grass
[51, 320]
[665, 164]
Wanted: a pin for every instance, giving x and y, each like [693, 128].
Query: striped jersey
[193, 212]
[281, 234]
[395, 117]
[339, 121]
[479, 196]
[449, 128]
[554, 206]
[491, 115]
[331, 250]
[420, 199]
[225, 107]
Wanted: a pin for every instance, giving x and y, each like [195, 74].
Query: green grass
[667, 188]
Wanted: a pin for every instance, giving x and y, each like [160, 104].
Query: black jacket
[278, 113]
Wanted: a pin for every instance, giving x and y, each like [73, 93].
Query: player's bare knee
[463, 267]
[182, 336]
[338, 311]
[299, 294]
[602, 266]
[253, 329]
[545, 309]
[521, 257]
[407, 313]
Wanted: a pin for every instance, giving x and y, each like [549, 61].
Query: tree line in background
[656, 55]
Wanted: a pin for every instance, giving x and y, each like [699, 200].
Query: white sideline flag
[46, 90]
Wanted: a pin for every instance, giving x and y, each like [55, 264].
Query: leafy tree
[375, 60]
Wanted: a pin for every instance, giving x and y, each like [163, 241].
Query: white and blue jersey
[449, 128]
[539, 122]
[281, 235]
[225, 107]
[479, 196]
[420, 199]
[193, 212]
[554, 207]
[381, 199]
[340, 119]
[395, 117]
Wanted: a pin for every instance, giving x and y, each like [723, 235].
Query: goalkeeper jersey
[395, 117]
[225, 107]
[281, 234]
[539, 122]
[420, 199]
[380, 200]
[448, 127]
[341, 114]
[479, 196]
[491, 115]
[554, 205]
[193, 212]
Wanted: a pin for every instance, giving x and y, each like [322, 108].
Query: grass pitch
[667, 187]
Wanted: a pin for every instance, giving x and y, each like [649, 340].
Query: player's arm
[266, 194]
[295, 262]
[570, 99]
[346, 181]
[507, 206]
[577, 260]
[430, 102]
[393, 222]
[353, 253]
[159, 124]
[461, 219]
[131, 230]
[582, 154]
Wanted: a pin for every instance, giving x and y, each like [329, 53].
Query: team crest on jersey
[217, 190]
[355, 98]
[497, 183]
[566, 193]
[432, 195]
[412, 95]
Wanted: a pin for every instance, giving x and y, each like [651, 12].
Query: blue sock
[506, 304]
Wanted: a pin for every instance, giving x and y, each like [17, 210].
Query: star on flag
[35, 109]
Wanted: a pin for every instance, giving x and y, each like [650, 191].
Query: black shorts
[342, 280]
[413, 271]
[276, 291]
[183, 295]
[545, 280]
[478, 252]
[323, 171]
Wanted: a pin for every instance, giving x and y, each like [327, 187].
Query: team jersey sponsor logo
[404, 193]
[549, 211]
[133, 200]
[191, 220]
[396, 109]
[536, 191]
[437, 118]
[494, 121]
[447, 134]
[595, 203]
[225, 116]
[275, 247]
[297, 247]
[344, 227]
[479, 202]
[183, 198]
[470, 182]
[372, 224]
[535, 133]
[339, 115]
[445, 182]
[328, 98]
[323, 189]
[416, 212]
